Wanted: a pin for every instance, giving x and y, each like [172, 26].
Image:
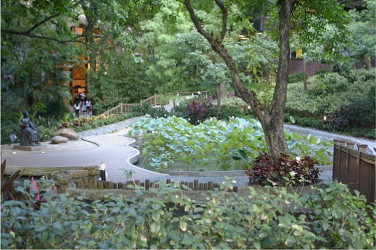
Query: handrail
[152, 100]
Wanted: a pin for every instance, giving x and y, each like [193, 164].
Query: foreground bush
[272, 218]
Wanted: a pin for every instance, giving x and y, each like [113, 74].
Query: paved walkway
[112, 147]
[332, 136]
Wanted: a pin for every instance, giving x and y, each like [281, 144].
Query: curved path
[112, 147]
[323, 135]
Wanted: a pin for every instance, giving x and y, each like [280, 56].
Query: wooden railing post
[335, 161]
[350, 145]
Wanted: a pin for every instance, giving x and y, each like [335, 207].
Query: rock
[68, 133]
[59, 139]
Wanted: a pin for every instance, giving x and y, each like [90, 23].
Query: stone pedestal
[29, 148]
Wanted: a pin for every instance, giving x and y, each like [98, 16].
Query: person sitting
[29, 135]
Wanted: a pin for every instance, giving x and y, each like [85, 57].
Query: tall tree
[270, 115]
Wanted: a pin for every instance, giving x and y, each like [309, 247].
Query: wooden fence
[296, 66]
[147, 185]
[153, 100]
[355, 168]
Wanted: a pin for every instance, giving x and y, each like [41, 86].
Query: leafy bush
[267, 218]
[233, 102]
[327, 93]
[298, 77]
[322, 71]
[225, 113]
[329, 125]
[198, 109]
[359, 112]
[287, 171]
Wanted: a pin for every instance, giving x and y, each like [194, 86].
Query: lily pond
[173, 144]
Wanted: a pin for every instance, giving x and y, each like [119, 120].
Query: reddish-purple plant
[197, 109]
[264, 169]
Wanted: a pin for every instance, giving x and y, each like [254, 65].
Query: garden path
[323, 135]
[113, 149]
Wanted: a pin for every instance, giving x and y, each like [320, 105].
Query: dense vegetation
[158, 51]
[348, 106]
[174, 144]
[269, 218]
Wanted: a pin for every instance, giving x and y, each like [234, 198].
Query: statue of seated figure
[29, 135]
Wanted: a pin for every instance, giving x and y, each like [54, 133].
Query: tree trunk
[271, 117]
[367, 62]
[220, 94]
[305, 73]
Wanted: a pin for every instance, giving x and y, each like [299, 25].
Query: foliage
[319, 123]
[269, 218]
[287, 171]
[226, 113]
[34, 72]
[120, 79]
[176, 144]
[327, 93]
[297, 77]
[233, 101]
[358, 113]
[198, 109]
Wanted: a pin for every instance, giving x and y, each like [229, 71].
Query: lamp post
[102, 171]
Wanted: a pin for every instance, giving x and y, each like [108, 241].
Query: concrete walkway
[323, 135]
[112, 147]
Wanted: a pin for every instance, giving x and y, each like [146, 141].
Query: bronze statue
[29, 135]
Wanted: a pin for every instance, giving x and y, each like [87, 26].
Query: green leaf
[57, 225]
[41, 227]
[154, 227]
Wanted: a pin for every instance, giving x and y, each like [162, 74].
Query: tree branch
[73, 40]
[224, 18]
[248, 96]
[41, 22]
[196, 22]
[27, 32]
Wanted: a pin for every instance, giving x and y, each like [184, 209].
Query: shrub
[168, 219]
[226, 112]
[286, 171]
[327, 93]
[359, 112]
[322, 71]
[198, 109]
[298, 77]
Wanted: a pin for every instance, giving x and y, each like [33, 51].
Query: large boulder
[68, 133]
[57, 139]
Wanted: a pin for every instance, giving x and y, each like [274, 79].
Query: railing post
[340, 167]
[335, 160]
[350, 145]
[361, 149]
